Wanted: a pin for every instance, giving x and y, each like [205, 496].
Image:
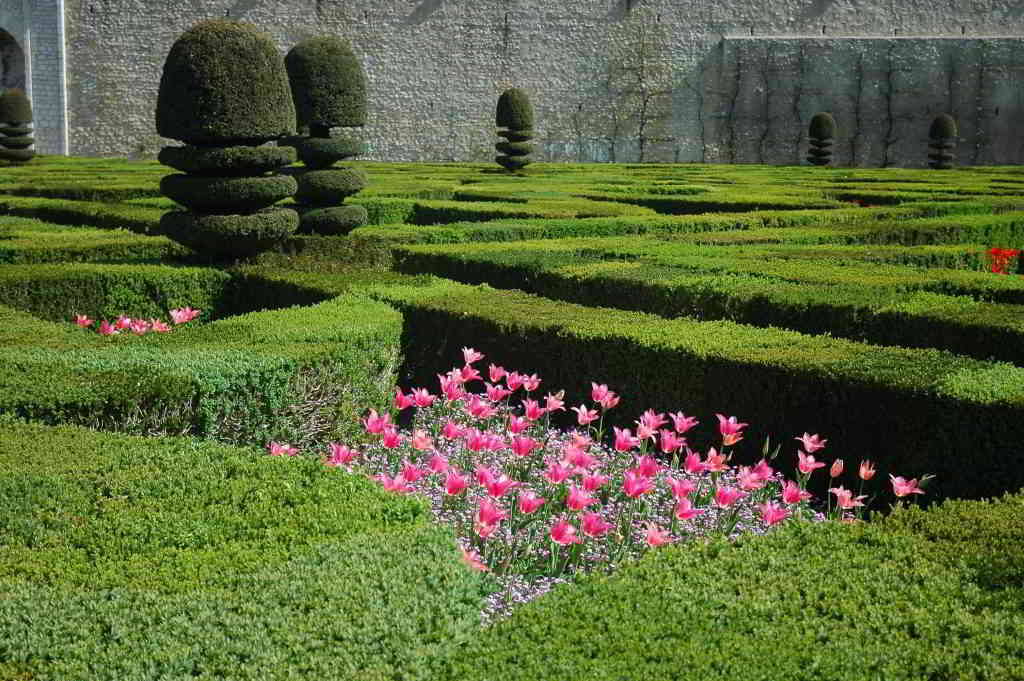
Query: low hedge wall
[131, 558]
[807, 602]
[139, 219]
[717, 202]
[26, 241]
[298, 374]
[882, 304]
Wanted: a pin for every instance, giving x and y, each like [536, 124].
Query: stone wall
[679, 80]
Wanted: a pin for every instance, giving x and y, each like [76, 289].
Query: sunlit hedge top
[328, 83]
[514, 110]
[224, 82]
[15, 107]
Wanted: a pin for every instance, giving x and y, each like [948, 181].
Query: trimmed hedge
[807, 602]
[28, 241]
[226, 161]
[330, 186]
[322, 152]
[327, 82]
[332, 220]
[230, 236]
[227, 194]
[137, 558]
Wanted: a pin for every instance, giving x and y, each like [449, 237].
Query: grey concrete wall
[721, 81]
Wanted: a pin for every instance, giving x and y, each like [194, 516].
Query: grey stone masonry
[622, 80]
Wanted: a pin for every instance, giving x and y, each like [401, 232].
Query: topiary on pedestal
[514, 117]
[15, 131]
[329, 91]
[820, 134]
[942, 142]
[224, 91]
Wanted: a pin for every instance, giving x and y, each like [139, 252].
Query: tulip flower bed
[536, 505]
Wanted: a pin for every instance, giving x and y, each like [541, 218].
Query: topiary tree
[514, 118]
[223, 92]
[15, 128]
[821, 133]
[942, 142]
[329, 90]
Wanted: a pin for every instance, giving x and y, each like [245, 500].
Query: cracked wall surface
[736, 81]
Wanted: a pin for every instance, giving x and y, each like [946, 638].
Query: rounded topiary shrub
[226, 161]
[942, 142]
[230, 235]
[15, 107]
[329, 187]
[15, 139]
[224, 83]
[323, 152]
[328, 85]
[227, 194]
[514, 114]
[332, 220]
[821, 133]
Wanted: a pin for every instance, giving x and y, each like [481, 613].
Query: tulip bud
[837, 468]
[867, 470]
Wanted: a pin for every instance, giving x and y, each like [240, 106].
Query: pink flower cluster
[137, 326]
[532, 500]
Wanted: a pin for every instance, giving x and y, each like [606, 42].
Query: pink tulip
[484, 475]
[529, 502]
[514, 380]
[452, 430]
[867, 470]
[397, 484]
[499, 485]
[340, 455]
[624, 440]
[594, 481]
[656, 536]
[647, 466]
[532, 409]
[377, 424]
[476, 441]
[578, 499]
[391, 438]
[489, 513]
[470, 355]
[183, 315]
[598, 392]
[158, 326]
[749, 480]
[652, 420]
[731, 430]
[451, 387]
[693, 465]
[553, 403]
[83, 321]
[139, 326]
[807, 464]
[682, 422]
[523, 446]
[763, 470]
[122, 323]
[564, 533]
[421, 441]
[792, 493]
[772, 513]
[495, 393]
[473, 560]
[556, 473]
[685, 510]
[422, 398]
[585, 416]
[280, 449]
[715, 462]
[412, 472]
[837, 469]
[484, 530]
[634, 484]
[496, 373]
[517, 424]
[610, 400]
[727, 496]
[479, 409]
[811, 443]
[438, 464]
[670, 441]
[455, 483]
[845, 498]
[594, 525]
[107, 329]
[644, 432]
[681, 488]
[901, 487]
[579, 458]
[531, 383]
[403, 401]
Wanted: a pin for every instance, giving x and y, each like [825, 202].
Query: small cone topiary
[329, 89]
[942, 142]
[514, 117]
[223, 92]
[820, 134]
[15, 131]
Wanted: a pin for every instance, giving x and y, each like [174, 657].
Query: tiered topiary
[942, 142]
[821, 133]
[224, 92]
[15, 131]
[329, 89]
[514, 117]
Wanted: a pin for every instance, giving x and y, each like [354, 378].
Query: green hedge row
[103, 192]
[297, 374]
[807, 602]
[880, 304]
[131, 558]
[140, 219]
[718, 202]
[26, 240]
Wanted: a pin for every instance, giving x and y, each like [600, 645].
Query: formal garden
[270, 411]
